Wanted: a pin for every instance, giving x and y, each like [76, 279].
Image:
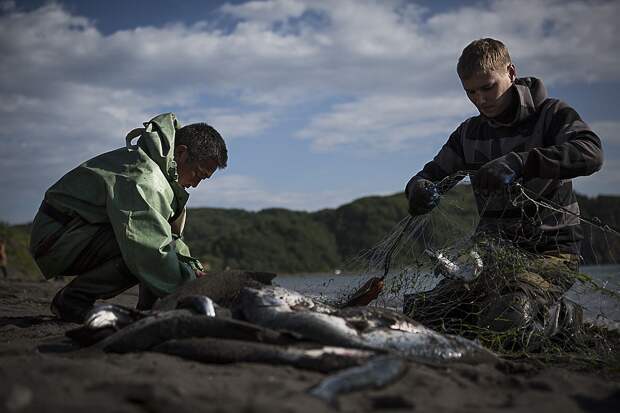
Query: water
[598, 307]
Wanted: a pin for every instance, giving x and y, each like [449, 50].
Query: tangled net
[444, 274]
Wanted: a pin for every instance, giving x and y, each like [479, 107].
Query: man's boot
[515, 316]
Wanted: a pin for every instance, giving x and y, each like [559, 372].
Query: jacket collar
[531, 93]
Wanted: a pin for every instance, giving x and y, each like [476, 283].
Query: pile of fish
[248, 319]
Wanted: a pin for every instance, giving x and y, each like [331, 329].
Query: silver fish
[466, 266]
[161, 326]
[376, 373]
[372, 328]
[111, 316]
[199, 304]
[221, 351]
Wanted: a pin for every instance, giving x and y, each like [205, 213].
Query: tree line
[285, 241]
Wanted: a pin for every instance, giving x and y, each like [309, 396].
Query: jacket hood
[531, 94]
[157, 140]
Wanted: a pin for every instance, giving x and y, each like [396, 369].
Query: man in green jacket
[117, 220]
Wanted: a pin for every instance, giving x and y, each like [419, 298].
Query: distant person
[116, 220]
[3, 258]
[520, 134]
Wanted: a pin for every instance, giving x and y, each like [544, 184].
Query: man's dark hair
[203, 142]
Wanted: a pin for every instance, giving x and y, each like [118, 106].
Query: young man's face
[191, 173]
[490, 92]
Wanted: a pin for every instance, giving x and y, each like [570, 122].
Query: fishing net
[443, 271]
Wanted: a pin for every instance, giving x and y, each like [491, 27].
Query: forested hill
[285, 241]
[281, 240]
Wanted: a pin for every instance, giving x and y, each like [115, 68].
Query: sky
[320, 102]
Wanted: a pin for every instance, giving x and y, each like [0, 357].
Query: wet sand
[41, 371]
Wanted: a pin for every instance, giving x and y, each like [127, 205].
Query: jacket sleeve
[139, 215]
[181, 247]
[450, 159]
[570, 148]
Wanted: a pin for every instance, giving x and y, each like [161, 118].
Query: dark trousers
[102, 273]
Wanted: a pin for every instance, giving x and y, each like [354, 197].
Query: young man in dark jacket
[520, 135]
[117, 219]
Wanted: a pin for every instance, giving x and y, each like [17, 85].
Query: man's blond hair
[483, 56]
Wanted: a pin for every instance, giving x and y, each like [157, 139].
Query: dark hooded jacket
[554, 145]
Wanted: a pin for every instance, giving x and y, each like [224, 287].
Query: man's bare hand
[200, 274]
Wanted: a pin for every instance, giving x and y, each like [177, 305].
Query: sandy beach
[42, 371]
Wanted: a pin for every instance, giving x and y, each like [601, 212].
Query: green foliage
[20, 263]
[289, 241]
[286, 241]
[598, 246]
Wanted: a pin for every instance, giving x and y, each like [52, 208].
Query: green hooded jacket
[135, 190]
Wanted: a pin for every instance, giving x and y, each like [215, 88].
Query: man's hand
[499, 173]
[423, 197]
[200, 274]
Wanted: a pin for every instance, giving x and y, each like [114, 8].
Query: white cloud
[266, 11]
[67, 91]
[232, 123]
[7, 5]
[250, 193]
[386, 123]
[608, 131]
[607, 180]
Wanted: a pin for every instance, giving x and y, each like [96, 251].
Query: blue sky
[321, 102]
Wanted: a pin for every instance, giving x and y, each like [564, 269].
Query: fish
[274, 315]
[222, 287]
[371, 328]
[324, 359]
[104, 320]
[466, 266]
[199, 304]
[111, 316]
[285, 310]
[376, 373]
[162, 326]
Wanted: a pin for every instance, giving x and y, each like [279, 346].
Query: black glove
[423, 196]
[499, 173]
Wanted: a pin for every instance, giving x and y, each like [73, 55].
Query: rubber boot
[105, 281]
[146, 298]
[564, 320]
[516, 314]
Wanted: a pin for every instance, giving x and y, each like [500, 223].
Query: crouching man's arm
[139, 216]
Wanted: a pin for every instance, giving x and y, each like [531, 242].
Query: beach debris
[378, 329]
[376, 373]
